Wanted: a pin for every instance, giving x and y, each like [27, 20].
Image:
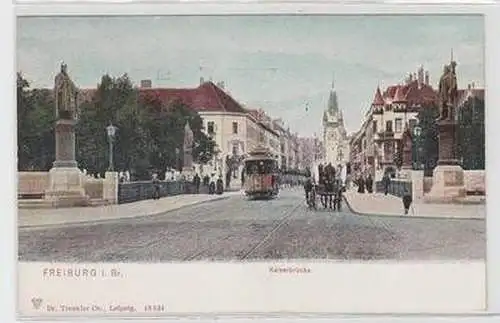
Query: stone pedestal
[66, 181]
[447, 142]
[66, 187]
[447, 184]
[417, 183]
[448, 177]
[65, 144]
[110, 187]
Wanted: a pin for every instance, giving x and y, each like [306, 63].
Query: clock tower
[334, 133]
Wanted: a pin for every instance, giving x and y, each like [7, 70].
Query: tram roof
[260, 153]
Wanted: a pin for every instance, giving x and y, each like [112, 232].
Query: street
[239, 229]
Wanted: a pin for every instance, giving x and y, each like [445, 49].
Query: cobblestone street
[238, 229]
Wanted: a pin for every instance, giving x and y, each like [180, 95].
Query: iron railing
[143, 190]
[396, 187]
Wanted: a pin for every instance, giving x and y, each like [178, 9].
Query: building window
[235, 128]
[211, 127]
[374, 126]
[398, 124]
[388, 126]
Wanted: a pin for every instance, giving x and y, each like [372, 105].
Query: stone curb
[434, 217]
[105, 221]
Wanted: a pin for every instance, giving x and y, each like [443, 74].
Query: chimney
[420, 76]
[427, 81]
[469, 86]
[222, 85]
[410, 78]
[146, 84]
[202, 80]
[473, 85]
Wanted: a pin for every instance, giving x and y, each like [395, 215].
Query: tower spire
[451, 60]
[333, 81]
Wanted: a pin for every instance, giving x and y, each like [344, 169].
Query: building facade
[336, 143]
[379, 139]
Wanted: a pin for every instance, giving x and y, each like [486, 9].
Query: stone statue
[447, 92]
[188, 146]
[65, 95]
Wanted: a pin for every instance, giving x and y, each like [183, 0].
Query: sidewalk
[33, 218]
[389, 205]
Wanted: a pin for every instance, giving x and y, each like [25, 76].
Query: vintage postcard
[174, 165]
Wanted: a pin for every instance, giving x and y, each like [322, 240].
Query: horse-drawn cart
[327, 189]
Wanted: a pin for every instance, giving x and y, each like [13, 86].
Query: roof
[412, 93]
[378, 100]
[206, 97]
[420, 95]
[399, 96]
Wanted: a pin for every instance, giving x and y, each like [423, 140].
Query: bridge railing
[143, 190]
[396, 187]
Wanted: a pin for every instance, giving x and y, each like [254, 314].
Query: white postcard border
[492, 64]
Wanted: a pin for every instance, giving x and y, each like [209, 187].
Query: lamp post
[111, 132]
[417, 132]
[177, 158]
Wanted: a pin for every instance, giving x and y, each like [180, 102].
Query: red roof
[411, 93]
[378, 100]
[390, 92]
[206, 97]
[420, 95]
[399, 96]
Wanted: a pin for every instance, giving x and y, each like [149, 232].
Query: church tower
[334, 133]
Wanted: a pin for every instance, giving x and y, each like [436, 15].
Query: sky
[278, 63]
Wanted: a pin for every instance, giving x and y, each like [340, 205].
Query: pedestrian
[197, 182]
[386, 181]
[219, 186]
[337, 202]
[369, 183]
[206, 180]
[361, 184]
[243, 177]
[407, 200]
[156, 187]
[211, 185]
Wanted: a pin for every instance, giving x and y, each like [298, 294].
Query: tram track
[198, 255]
[275, 228]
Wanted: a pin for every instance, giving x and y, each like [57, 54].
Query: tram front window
[259, 167]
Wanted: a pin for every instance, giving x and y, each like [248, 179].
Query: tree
[113, 102]
[471, 134]
[35, 127]
[150, 134]
[429, 138]
[165, 125]
[23, 110]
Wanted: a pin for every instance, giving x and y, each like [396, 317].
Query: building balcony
[386, 133]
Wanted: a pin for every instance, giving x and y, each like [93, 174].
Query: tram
[261, 172]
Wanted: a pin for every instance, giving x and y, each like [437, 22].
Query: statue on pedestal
[448, 92]
[66, 94]
[66, 181]
[448, 176]
[407, 148]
